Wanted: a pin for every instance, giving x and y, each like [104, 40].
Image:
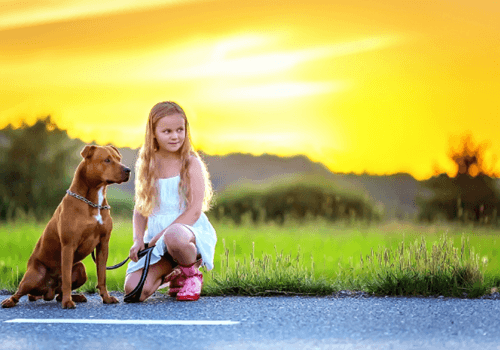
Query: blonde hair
[146, 181]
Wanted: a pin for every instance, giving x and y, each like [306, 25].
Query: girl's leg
[181, 244]
[154, 279]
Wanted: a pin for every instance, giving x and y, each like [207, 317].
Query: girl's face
[170, 132]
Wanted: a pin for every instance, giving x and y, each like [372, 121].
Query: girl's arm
[194, 210]
[139, 226]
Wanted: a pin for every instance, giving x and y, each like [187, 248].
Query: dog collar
[87, 201]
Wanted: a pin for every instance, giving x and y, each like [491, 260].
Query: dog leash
[135, 295]
[143, 252]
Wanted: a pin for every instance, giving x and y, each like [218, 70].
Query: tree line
[37, 163]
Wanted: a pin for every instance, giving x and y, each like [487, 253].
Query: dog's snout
[126, 173]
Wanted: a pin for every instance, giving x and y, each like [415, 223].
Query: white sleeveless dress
[163, 215]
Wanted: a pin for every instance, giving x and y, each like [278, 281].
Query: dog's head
[103, 164]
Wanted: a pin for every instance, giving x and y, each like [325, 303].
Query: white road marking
[125, 322]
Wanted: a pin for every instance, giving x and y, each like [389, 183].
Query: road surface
[255, 323]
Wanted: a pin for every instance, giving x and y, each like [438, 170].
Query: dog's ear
[117, 152]
[88, 151]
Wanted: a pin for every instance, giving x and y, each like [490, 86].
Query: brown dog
[74, 231]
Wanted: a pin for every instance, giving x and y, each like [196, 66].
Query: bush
[297, 197]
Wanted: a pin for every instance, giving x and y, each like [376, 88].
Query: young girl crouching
[171, 194]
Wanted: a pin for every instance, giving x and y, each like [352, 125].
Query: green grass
[316, 258]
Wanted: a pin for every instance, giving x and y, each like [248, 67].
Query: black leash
[135, 295]
[124, 261]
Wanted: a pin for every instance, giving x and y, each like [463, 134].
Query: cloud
[221, 65]
[280, 90]
[273, 137]
[14, 14]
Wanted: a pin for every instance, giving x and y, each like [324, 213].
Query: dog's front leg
[101, 260]
[67, 256]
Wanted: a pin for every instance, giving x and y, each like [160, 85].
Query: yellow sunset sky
[378, 86]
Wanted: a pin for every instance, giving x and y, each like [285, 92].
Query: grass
[416, 270]
[316, 258]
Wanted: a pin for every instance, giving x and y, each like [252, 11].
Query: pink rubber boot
[193, 283]
[176, 284]
[174, 281]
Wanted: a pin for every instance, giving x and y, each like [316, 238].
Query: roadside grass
[414, 269]
[310, 258]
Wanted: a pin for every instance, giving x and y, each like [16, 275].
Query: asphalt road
[263, 323]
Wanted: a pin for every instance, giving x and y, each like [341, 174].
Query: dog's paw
[33, 297]
[8, 303]
[110, 300]
[68, 304]
[79, 298]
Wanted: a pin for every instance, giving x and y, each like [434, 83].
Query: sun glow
[37, 12]
[230, 58]
[360, 86]
[281, 90]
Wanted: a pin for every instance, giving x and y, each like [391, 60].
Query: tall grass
[269, 275]
[414, 269]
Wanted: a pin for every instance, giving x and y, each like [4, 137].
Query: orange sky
[378, 86]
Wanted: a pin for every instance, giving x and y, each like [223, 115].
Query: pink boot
[176, 285]
[174, 281]
[193, 282]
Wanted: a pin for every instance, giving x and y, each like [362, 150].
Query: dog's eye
[107, 160]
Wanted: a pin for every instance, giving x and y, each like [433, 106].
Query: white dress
[163, 215]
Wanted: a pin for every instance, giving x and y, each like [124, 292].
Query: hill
[395, 192]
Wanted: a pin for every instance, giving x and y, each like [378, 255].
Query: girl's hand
[136, 248]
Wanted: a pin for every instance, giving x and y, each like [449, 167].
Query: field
[311, 258]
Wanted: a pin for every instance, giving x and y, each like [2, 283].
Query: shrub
[295, 197]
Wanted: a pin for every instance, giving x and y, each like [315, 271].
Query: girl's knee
[131, 284]
[176, 227]
[177, 235]
[147, 291]
[131, 281]
[128, 287]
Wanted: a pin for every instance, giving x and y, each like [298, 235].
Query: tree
[470, 158]
[36, 168]
[471, 195]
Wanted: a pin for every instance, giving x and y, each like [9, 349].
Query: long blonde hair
[146, 180]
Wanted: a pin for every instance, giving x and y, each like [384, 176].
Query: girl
[171, 194]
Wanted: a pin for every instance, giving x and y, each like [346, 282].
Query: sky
[380, 86]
